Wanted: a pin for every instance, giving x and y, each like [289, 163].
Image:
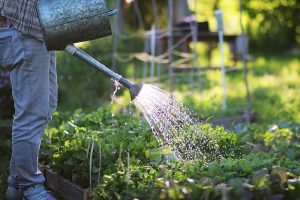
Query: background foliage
[271, 25]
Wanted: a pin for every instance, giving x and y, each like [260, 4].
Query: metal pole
[196, 53]
[153, 41]
[145, 64]
[170, 44]
[117, 23]
[245, 70]
[218, 14]
[155, 16]
[194, 29]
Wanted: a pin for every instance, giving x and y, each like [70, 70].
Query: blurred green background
[274, 37]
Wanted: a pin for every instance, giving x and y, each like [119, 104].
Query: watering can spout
[134, 89]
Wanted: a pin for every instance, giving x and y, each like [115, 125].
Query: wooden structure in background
[183, 30]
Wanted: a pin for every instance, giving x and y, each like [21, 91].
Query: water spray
[66, 22]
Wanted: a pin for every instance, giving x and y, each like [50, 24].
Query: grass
[276, 88]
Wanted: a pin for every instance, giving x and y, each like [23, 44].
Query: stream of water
[174, 125]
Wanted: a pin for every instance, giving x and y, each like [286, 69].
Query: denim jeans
[34, 89]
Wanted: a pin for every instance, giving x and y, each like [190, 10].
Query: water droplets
[117, 88]
[113, 96]
[174, 125]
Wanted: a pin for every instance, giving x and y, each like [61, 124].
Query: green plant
[127, 163]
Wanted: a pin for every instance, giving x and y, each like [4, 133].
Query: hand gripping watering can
[65, 22]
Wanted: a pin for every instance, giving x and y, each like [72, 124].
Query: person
[34, 89]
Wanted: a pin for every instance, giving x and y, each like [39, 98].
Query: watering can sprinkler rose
[65, 22]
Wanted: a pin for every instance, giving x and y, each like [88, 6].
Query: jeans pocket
[6, 52]
[34, 45]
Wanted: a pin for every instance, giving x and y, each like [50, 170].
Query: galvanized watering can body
[69, 21]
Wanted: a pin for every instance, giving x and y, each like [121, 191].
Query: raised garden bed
[130, 167]
[65, 188]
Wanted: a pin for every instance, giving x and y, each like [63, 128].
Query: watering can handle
[112, 12]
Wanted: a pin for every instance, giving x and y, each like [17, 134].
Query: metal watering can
[65, 22]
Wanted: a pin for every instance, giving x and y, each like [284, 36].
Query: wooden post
[139, 14]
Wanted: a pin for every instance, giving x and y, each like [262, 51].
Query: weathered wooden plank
[65, 188]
